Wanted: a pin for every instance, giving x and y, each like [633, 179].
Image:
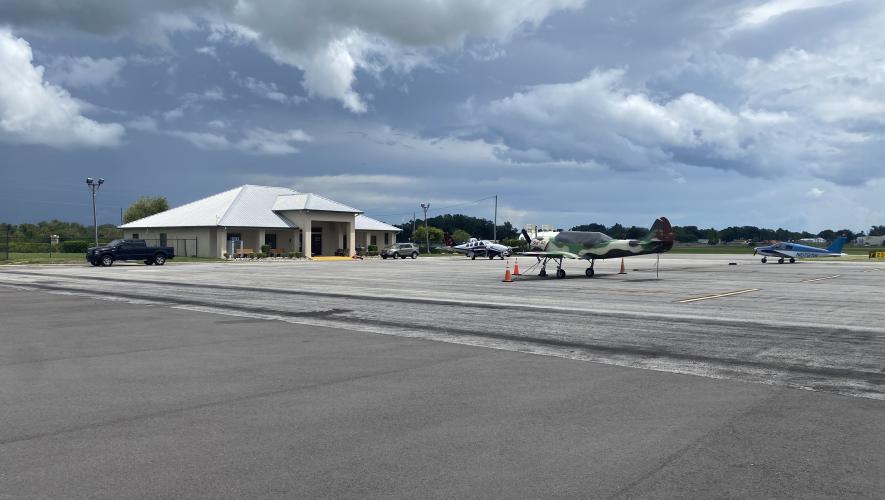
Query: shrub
[372, 248]
[224, 255]
[260, 255]
[28, 247]
[296, 255]
[372, 253]
[265, 249]
[74, 246]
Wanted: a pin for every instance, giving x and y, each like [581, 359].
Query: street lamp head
[89, 181]
[100, 181]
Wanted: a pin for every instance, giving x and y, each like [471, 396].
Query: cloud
[193, 100]
[328, 41]
[265, 142]
[36, 112]
[266, 90]
[815, 192]
[207, 50]
[257, 141]
[85, 71]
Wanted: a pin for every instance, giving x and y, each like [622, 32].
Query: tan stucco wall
[203, 246]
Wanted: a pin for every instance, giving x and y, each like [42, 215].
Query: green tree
[145, 206]
[436, 234]
[460, 236]
[877, 231]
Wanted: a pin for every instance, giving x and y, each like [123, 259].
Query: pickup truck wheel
[159, 259]
[107, 260]
[148, 262]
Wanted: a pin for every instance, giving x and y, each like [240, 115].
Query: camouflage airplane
[555, 246]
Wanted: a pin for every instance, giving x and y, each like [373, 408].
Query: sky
[713, 113]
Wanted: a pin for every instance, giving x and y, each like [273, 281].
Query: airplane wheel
[471, 255]
[792, 260]
[780, 261]
[589, 272]
[560, 273]
[543, 273]
[764, 260]
[491, 256]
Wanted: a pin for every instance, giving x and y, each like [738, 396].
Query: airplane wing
[779, 253]
[557, 255]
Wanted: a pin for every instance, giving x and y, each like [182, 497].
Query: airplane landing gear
[764, 260]
[560, 273]
[780, 261]
[590, 272]
[792, 260]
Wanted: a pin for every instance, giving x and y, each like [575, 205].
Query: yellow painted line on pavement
[820, 279]
[718, 295]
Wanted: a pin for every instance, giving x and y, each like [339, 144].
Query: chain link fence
[12, 246]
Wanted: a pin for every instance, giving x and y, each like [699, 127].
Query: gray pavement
[813, 325]
[108, 399]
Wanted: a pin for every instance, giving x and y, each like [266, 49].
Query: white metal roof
[311, 201]
[369, 224]
[251, 206]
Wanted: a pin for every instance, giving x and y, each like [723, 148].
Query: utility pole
[93, 186]
[413, 226]
[426, 234]
[495, 226]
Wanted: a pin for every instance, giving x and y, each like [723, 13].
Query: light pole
[93, 186]
[426, 234]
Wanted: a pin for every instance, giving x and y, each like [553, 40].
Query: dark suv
[401, 250]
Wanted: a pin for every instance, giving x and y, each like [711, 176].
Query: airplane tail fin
[660, 231]
[836, 246]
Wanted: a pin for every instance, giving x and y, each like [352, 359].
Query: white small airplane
[490, 249]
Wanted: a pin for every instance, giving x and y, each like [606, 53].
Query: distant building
[253, 216]
[871, 241]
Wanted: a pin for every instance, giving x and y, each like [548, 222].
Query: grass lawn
[75, 258]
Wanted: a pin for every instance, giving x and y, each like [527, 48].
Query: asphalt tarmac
[375, 378]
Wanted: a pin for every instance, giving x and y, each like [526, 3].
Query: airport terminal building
[252, 216]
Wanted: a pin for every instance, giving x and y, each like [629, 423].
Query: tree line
[462, 227]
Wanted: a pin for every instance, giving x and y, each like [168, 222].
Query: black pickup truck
[129, 250]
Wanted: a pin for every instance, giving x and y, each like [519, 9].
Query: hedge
[74, 246]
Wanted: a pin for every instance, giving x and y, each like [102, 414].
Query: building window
[134, 236]
[162, 239]
[386, 238]
[374, 240]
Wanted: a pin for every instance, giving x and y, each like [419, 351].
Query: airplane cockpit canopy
[582, 238]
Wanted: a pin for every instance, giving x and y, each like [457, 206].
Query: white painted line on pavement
[819, 279]
[718, 295]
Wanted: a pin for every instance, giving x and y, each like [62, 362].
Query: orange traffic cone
[516, 267]
[507, 278]
[623, 271]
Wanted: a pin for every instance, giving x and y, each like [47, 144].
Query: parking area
[433, 378]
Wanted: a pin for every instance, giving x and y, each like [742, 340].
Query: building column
[260, 244]
[221, 242]
[306, 236]
[351, 238]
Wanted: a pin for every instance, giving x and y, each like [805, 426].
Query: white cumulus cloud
[37, 112]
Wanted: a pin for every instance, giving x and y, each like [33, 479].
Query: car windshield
[115, 242]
